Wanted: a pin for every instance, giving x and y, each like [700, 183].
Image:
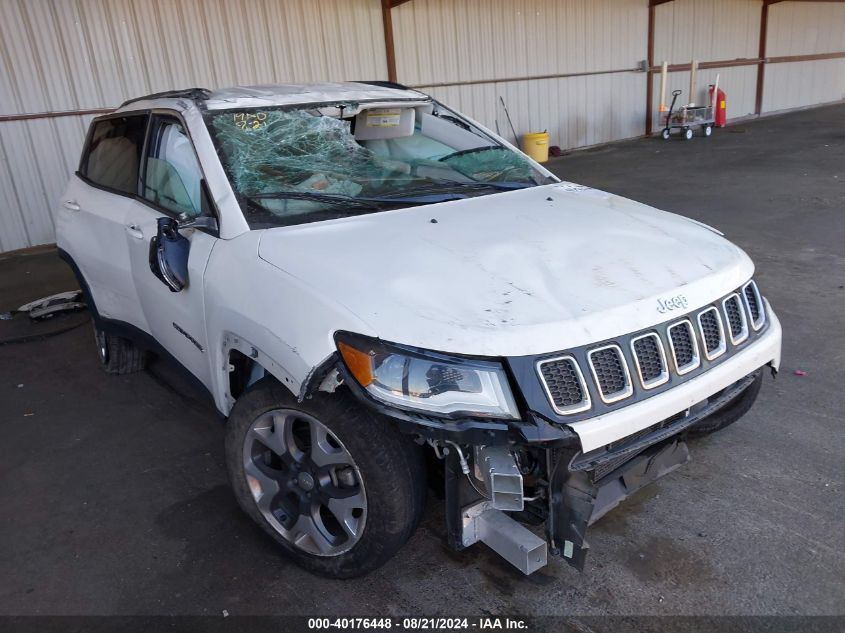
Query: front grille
[754, 303]
[753, 306]
[660, 356]
[611, 373]
[564, 385]
[736, 319]
[650, 360]
[712, 334]
[684, 346]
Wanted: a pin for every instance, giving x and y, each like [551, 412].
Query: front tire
[731, 412]
[337, 486]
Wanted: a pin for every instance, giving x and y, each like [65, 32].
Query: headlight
[426, 381]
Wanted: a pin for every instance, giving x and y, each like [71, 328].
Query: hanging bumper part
[578, 501]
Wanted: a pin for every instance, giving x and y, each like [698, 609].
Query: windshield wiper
[440, 189]
[367, 203]
[329, 198]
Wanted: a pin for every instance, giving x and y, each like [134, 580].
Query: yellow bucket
[536, 145]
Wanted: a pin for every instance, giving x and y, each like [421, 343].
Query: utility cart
[686, 118]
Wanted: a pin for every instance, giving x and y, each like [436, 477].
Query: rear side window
[113, 154]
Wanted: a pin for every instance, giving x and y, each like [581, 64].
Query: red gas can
[721, 113]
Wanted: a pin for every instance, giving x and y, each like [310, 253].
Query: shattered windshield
[296, 165]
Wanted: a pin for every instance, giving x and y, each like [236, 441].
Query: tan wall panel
[706, 30]
[800, 84]
[444, 41]
[803, 28]
[799, 28]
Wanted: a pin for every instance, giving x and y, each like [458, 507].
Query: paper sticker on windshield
[384, 117]
[250, 120]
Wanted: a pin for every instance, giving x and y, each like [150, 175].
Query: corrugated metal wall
[60, 55]
[442, 41]
[805, 29]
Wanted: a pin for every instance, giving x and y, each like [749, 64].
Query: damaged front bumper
[582, 488]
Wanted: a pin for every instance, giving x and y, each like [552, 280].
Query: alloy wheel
[305, 482]
[102, 345]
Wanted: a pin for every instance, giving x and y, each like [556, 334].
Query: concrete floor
[113, 495]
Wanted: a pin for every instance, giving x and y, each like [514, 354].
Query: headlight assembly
[427, 382]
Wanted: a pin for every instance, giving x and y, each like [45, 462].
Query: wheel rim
[305, 482]
[102, 345]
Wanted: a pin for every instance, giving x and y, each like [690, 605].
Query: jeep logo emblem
[672, 303]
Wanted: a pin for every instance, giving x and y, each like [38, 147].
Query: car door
[172, 186]
[91, 218]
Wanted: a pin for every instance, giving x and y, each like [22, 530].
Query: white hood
[521, 272]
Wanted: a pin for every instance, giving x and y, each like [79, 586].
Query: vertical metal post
[761, 66]
[649, 105]
[390, 51]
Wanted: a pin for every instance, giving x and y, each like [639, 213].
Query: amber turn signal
[358, 363]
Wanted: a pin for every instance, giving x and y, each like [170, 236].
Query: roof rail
[194, 94]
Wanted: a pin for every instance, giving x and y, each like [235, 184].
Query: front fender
[268, 315]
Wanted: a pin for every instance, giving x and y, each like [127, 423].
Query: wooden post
[664, 72]
[693, 89]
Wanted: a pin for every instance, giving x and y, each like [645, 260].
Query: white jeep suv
[379, 294]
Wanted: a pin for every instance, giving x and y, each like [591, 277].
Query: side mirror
[169, 255]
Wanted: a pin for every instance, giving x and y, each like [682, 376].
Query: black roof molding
[194, 94]
[387, 84]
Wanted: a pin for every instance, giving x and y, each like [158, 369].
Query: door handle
[70, 205]
[134, 231]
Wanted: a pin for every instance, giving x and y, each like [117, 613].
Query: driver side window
[172, 174]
